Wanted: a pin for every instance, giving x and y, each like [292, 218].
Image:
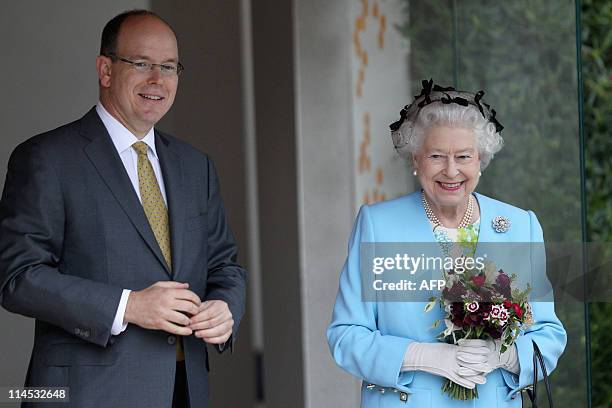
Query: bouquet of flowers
[481, 304]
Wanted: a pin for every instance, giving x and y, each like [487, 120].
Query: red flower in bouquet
[479, 280]
[455, 293]
[494, 332]
[502, 284]
[517, 310]
[457, 313]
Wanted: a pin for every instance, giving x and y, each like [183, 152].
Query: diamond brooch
[501, 224]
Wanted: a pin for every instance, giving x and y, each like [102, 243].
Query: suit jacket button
[171, 340]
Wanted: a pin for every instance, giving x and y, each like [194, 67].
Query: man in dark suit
[113, 236]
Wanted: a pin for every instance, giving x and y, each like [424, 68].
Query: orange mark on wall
[364, 7]
[364, 163]
[365, 166]
[381, 32]
[377, 193]
[360, 80]
[360, 28]
[379, 176]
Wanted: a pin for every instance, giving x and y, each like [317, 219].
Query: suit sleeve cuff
[118, 325]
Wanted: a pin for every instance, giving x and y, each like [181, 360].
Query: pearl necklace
[465, 221]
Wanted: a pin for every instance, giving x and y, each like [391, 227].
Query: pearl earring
[414, 173]
[479, 173]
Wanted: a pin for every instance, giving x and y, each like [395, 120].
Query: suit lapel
[171, 166]
[103, 155]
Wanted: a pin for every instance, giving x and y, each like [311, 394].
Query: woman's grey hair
[409, 137]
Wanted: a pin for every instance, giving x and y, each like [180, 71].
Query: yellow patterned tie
[157, 214]
[153, 202]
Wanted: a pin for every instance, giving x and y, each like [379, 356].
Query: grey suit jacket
[73, 234]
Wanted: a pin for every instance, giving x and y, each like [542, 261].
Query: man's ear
[104, 68]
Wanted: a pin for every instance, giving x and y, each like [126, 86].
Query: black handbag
[533, 394]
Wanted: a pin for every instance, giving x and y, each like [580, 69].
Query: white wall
[329, 132]
[325, 186]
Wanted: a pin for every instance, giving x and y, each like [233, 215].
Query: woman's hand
[441, 359]
[486, 356]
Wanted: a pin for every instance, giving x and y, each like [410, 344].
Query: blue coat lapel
[421, 230]
[488, 211]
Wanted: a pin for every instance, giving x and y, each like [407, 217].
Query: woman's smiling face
[448, 165]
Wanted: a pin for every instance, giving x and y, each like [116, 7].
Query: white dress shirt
[123, 140]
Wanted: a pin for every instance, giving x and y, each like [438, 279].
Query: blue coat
[369, 339]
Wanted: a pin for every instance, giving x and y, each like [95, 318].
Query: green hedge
[597, 73]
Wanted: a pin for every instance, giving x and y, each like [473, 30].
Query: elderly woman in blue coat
[450, 137]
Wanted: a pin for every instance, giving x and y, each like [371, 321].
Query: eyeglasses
[166, 69]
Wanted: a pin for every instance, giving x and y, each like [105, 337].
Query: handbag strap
[533, 394]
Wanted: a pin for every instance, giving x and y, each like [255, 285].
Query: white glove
[440, 359]
[486, 356]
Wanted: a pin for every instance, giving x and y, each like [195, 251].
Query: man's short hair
[110, 33]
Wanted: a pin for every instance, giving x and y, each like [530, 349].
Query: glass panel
[597, 79]
[523, 54]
